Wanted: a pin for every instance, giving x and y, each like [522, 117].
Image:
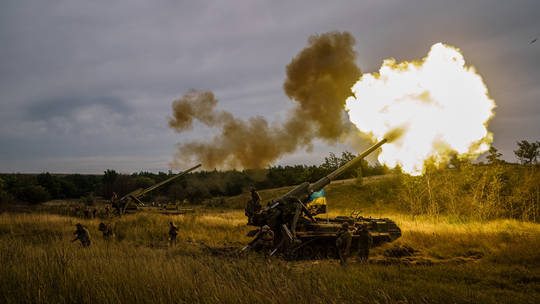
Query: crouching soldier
[173, 232]
[106, 230]
[82, 235]
[264, 240]
[343, 242]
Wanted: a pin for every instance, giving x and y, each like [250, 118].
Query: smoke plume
[319, 80]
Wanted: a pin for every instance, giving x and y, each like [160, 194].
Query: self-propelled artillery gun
[300, 234]
[131, 201]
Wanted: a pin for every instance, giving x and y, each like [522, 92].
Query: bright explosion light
[441, 105]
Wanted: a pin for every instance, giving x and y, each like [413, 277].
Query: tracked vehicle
[299, 234]
[130, 202]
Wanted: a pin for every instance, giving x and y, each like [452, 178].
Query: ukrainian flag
[317, 202]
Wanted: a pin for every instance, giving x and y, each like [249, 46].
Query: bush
[480, 191]
[35, 194]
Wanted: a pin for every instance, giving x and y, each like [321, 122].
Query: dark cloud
[84, 74]
[66, 106]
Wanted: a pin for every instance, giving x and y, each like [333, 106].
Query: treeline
[194, 187]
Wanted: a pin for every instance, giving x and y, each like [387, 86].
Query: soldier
[343, 242]
[87, 212]
[253, 206]
[173, 232]
[264, 240]
[106, 230]
[365, 240]
[94, 213]
[78, 210]
[82, 235]
[115, 203]
[107, 211]
[255, 197]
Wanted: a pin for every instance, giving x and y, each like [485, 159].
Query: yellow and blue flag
[317, 202]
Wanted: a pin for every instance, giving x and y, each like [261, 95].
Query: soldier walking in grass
[343, 242]
[107, 211]
[173, 232]
[107, 231]
[78, 210]
[82, 235]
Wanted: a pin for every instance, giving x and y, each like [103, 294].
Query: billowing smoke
[319, 80]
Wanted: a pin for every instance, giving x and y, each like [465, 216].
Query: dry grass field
[453, 262]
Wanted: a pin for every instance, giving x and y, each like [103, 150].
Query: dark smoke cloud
[319, 79]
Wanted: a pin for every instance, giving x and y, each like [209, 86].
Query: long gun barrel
[138, 193]
[304, 190]
[332, 176]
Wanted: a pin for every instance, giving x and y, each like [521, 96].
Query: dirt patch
[399, 251]
[228, 250]
[406, 255]
[421, 260]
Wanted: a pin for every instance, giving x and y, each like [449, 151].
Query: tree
[331, 162]
[51, 184]
[36, 194]
[109, 177]
[528, 152]
[5, 197]
[493, 156]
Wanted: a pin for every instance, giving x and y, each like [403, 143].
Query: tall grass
[41, 265]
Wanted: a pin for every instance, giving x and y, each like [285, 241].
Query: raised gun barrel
[317, 186]
[134, 195]
[304, 190]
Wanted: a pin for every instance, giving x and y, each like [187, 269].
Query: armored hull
[317, 240]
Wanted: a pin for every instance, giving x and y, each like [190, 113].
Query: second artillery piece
[301, 235]
[131, 200]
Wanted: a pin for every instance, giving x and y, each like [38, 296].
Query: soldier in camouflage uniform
[115, 203]
[78, 210]
[107, 211]
[264, 240]
[255, 197]
[82, 235]
[365, 240]
[173, 232]
[343, 242]
[253, 205]
[106, 230]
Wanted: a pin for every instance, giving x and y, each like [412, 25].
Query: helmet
[79, 225]
[345, 225]
[265, 228]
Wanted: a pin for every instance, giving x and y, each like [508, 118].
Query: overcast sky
[88, 85]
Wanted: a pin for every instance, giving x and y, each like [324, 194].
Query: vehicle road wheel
[308, 252]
